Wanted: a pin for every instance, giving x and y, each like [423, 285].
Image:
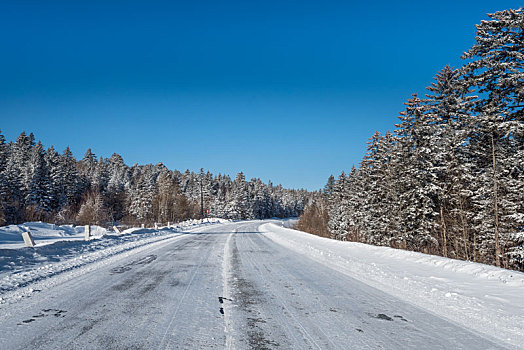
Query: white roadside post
[28, 239]
[143, 226]
[87, 232]
[116, 230]
[169, 224]
[156, 226]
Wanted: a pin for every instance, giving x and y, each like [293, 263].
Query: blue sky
[287, 91]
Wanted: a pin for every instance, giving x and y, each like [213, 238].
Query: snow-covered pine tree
[140, 195]
[16, 176]
[4, 154]
[69, 184]
[261, 199]
[38, 197]
[378, 215]
[338, 223]
[52, 160]
[448, 103]
[115, 178]
[87, 170]
[416, 187]
[496, 68]
[328, 188]
[238, 204]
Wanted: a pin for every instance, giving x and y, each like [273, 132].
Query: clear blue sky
[284, 90]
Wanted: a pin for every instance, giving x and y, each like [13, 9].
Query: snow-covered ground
[63, 248]
[44, 233]
[484, 298]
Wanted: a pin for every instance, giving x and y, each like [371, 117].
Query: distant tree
[38, 196]
[92, 210]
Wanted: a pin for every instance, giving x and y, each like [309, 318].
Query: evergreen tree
[338, 215]
[38, 197]
[496, 69]
[416, 187]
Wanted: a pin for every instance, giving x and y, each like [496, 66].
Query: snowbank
[484, 298]
[44, 233]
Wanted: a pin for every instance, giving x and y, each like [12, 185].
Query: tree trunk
[464, 230]
[495, 202]
[444, 236]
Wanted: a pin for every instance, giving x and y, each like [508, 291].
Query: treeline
[41, 184]
[449, 180]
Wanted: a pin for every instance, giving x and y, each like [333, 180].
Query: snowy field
[484, 298]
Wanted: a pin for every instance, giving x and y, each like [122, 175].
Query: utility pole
[201, 199]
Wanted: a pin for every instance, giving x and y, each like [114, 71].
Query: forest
[449, 179]
[38, 184]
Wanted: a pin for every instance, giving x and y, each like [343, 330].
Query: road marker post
[87, 232]
[28, 239]
[116, 230]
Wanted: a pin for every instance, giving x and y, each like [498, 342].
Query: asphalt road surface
[224, 286]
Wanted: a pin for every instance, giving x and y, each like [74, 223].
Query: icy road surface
[223, 286]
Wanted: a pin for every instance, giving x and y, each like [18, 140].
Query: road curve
[223, 286]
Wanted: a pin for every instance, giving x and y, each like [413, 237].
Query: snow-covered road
[223, 286]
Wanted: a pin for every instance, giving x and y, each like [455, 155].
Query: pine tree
[4, 188]
[328, 188]
[416, 187]
[16, 175]
[447, 102]
[338, 215]
[52, 161]
[69, 180]
[496, 69]
[38, 197]
[238, 204]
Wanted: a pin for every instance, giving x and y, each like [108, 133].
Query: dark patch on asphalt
[381, 317]
[142, 261]
[87, 328]
[44, 313]
[175, 283]
[146, 260]
[27, 321]
[257, 251]
[121, 287]
[257, 340]
[157, 279]
[359, 330]
[221, 299]
[256, 320]
[333, 310]
[401, 318]
[248, 298]
[120, 269]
